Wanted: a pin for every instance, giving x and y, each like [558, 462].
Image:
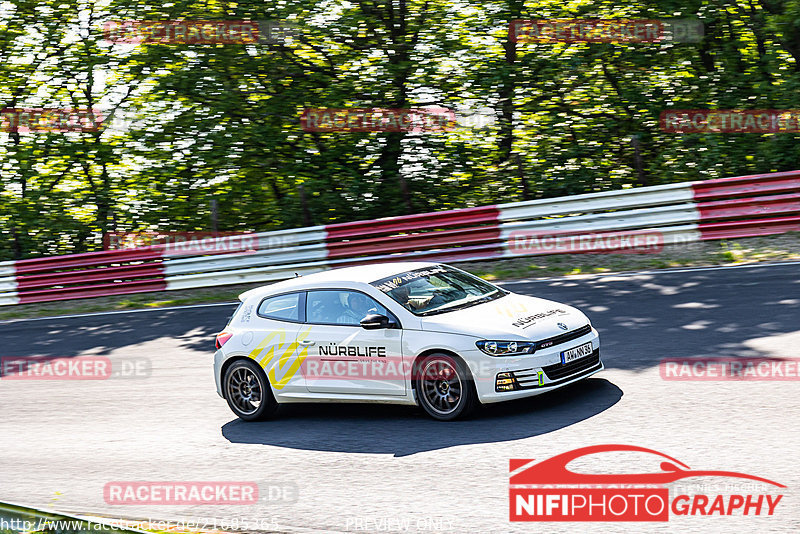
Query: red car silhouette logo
[554, 470]
[550, 491]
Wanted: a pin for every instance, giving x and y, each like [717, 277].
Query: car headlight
[506, 348]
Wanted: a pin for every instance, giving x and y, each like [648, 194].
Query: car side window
[341, 307]
[281, 307]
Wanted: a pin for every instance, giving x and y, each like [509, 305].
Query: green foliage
[199, 122]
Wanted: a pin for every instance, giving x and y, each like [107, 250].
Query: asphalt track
[362, 468]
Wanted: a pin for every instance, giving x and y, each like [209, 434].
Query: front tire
[248, 392]
[444, 387]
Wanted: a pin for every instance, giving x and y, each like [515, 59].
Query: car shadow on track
[404, 430]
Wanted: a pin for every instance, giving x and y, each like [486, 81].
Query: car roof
[348, 276]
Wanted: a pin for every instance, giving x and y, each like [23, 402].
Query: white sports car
[404, 333]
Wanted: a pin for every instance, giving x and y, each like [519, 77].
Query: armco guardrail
[24, 519]
[659, 215]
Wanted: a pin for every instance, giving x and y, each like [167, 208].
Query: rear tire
[248, 392]
[444, 387]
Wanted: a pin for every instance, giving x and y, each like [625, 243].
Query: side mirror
[373, 321]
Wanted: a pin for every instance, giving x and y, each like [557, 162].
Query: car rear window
[281, 307]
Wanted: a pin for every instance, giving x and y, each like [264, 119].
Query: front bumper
[505, 378]
[548, 376]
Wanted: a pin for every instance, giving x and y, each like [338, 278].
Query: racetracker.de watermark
[624, 242]
[27, 120]
[605, 30]
[721, 368]
[183, 243]
[199, 31]
[73, 368]
[198, 492]
[348, 363]
[377, 120]
[685, 121]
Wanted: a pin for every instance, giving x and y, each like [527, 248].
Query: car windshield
[438, 289]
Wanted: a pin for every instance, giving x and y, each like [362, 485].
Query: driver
[401, 294]
[358, 307]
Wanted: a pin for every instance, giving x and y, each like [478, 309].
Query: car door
[277, 340]
[346, 358]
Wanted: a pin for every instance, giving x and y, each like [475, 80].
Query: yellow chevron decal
[285, 352]
[510, 310]
[271, 352]
[295, 365]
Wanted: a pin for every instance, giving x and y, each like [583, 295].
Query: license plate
[578, 352]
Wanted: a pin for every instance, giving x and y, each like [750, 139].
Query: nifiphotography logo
[549, 491]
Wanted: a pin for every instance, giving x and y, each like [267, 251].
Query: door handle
[306, 343]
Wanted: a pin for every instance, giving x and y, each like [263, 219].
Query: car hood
[512, 318]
